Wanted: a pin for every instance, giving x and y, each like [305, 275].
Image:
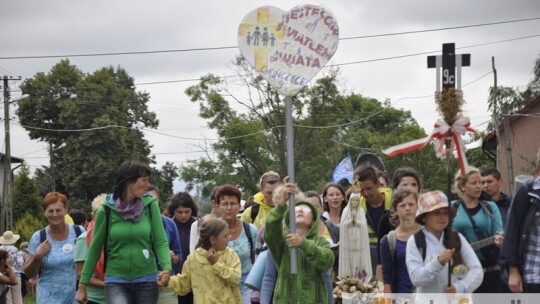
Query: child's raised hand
[294, 240]
[212, 256]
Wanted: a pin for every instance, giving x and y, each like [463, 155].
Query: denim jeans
[132, 293]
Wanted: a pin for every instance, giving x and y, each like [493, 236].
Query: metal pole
[290, 173]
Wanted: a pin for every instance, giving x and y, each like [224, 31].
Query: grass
[29, 299]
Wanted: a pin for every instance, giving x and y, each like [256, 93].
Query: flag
[344, 170]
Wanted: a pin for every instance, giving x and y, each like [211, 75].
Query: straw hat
[432, 201]
[9, 238]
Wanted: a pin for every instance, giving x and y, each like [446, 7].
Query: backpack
[420, 239]
[99, 269]
[391, 238]
[254, 212]
[43, 233]
[250, 239]
[43, 237]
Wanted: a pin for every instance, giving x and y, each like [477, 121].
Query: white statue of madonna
[354, 253]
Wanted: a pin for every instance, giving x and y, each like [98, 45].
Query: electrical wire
[236, 47]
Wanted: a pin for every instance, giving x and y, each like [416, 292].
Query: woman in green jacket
[129, 225]
[314, 255]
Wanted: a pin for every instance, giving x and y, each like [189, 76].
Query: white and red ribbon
[439, 133]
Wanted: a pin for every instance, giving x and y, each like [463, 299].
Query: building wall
[524, 136]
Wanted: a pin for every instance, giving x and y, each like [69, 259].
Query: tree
[28, 224]
[26, 197]
[164, 179]
[328, 125]
[513, 99]
[92, 121]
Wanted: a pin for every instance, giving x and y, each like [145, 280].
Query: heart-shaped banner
[288, 48]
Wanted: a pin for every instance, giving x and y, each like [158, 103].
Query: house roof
[524, 110]
[14, 160]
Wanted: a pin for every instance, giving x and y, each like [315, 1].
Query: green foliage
[84, 162]
[513, 99]
[328, 126]
[26, 197]
[28, 224]
[476, 157]
[163, 179]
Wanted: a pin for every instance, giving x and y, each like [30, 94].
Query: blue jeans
[132, 293]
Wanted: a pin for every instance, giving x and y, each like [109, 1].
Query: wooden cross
[449, 61]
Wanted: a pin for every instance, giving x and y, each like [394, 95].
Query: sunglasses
[303, 209]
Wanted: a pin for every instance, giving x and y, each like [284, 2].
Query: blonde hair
[208, 228]
[23, 245]
[97, 202]
[270, 177]
[461, 180]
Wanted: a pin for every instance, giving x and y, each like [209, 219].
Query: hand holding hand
[294, 240]
[212, 256]
[445, 256]
[164, 277]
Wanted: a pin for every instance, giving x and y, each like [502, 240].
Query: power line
[440, 29]
[236, 47]
[363, 61]
[431, 52]
[334, 65]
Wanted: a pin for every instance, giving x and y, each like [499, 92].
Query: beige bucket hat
[431, 201]
[9, 238]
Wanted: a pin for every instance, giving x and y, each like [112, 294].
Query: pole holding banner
[290, 170]
[288, 48]
[448, 130]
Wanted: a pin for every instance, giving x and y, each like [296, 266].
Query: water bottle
[460, 271]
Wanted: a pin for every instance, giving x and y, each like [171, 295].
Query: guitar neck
[483, 243]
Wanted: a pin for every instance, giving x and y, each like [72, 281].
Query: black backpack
[43, 237]
[254, 212]
[43, 233]
[420, 239]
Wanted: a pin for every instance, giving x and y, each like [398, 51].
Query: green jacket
[131, 245]
[314, 257]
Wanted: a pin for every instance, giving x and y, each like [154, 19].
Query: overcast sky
[63, 27]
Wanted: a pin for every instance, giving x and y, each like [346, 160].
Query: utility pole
[6, 218]
[51, 165]
[494, 116]
[509, 162]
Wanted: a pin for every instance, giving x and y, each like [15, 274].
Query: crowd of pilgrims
[133, 252]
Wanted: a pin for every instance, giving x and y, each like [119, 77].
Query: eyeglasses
[53, 211]
[228, 205]
[303, 209]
